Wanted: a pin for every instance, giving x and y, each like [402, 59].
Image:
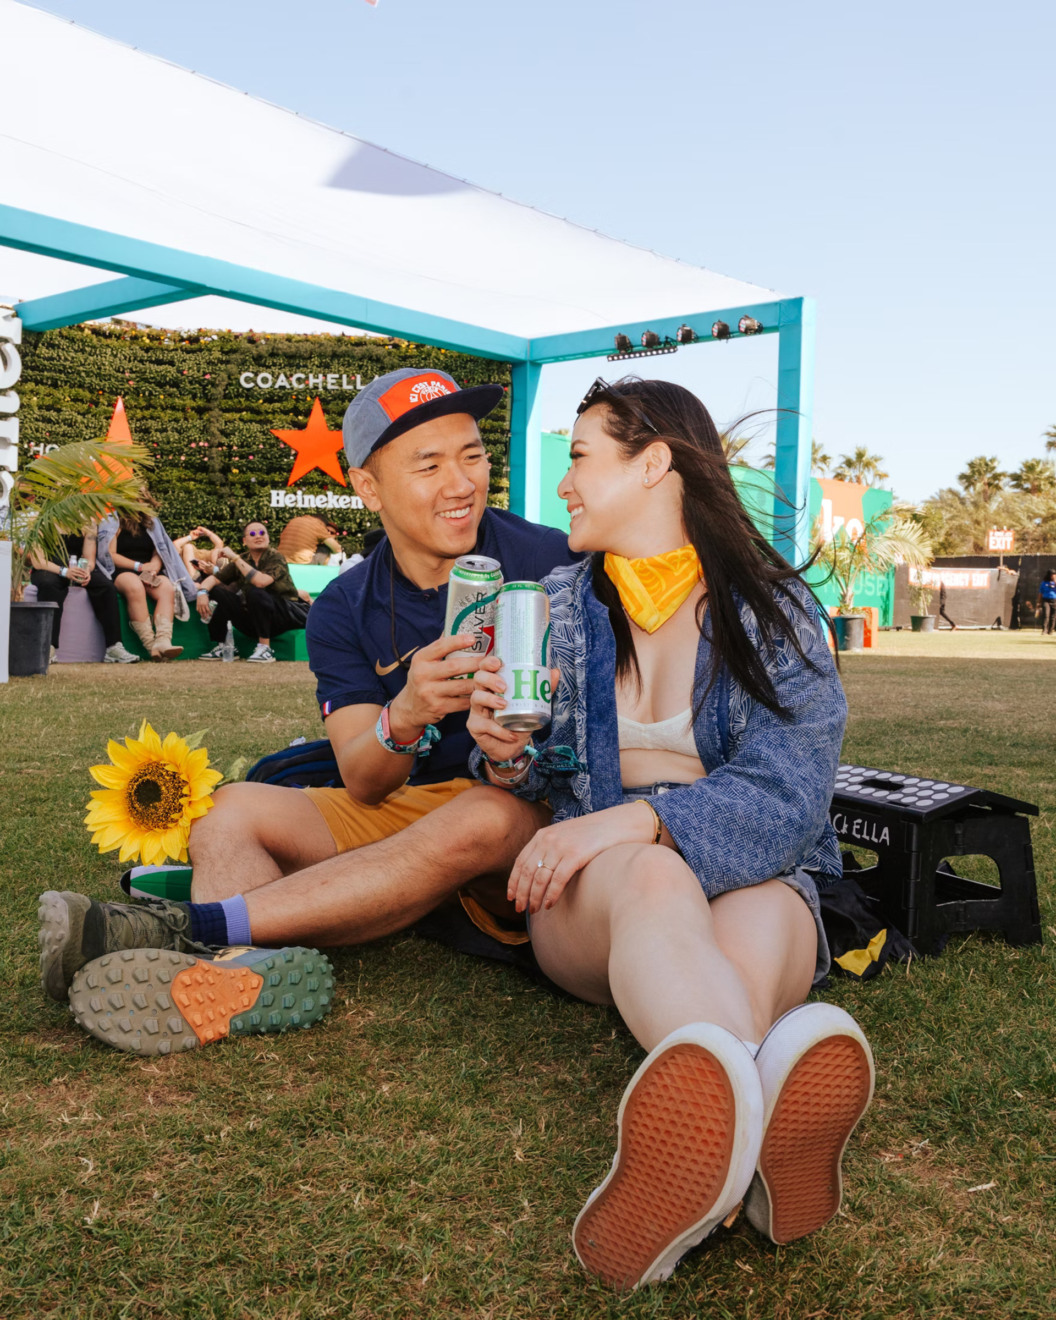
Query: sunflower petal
[101, 814]
[122, 756]
[110, 776]
[129, 849]
[149, 738]
[174, 841]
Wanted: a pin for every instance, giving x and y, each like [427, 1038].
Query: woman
[53, 581]
[147, 568]
[690, 764]
[199, 563]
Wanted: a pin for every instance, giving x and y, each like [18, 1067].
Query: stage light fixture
[685, 335]
[748, 325]
[720, 330]
[623, 344]
[650, 339]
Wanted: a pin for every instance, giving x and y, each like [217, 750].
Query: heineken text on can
[522, 640]
[472, 592]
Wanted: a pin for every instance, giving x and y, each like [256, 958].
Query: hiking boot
[74, 929]
[119, 655]
[816, 1070]
[154, 1001]
[262, 655]
[172, 881]
[689, 1127]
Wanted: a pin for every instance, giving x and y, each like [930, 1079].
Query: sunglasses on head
[602, 392]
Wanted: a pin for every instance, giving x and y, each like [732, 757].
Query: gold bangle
[656, 817]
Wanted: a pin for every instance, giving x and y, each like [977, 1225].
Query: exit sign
[1000, 541]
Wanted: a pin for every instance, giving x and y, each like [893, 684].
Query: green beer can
[522, 643]
[472, 594]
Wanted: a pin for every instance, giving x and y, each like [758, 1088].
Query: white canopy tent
[185, 189]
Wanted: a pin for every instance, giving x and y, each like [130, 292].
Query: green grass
[424, 1152]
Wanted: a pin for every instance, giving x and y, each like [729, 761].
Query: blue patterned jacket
[763, 807]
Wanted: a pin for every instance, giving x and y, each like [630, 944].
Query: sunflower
[151, 793]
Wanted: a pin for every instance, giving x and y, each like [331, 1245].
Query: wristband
[421, 746]
[521, 762]
[137, 565]
[63, 571]
[201, 592]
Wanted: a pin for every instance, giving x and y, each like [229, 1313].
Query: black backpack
[301, 765]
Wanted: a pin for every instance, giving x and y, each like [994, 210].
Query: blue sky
[894, 162]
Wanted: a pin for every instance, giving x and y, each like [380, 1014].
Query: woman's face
[603, 491]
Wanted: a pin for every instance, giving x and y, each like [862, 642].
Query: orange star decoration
[317, 447]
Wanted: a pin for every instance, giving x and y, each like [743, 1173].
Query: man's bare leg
[387, 886]
[254, 834]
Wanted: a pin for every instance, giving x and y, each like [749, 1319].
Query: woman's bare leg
[131, 587]
[634, 929]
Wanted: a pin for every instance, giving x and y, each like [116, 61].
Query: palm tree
[64, 491]
[1034, 476]
[1050, 442]
[885, 542]
[982, 477]
[733, 446]
[820, 462]
[860, 466]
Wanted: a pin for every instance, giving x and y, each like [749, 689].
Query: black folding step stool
[912, 825]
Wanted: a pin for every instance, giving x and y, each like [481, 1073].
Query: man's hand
[436, 686]
[202, 603]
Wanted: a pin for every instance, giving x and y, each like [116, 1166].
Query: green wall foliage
[215, 459]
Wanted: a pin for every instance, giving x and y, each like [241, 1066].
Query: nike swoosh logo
[381, 670]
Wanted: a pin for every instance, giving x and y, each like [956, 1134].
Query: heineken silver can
[472, 593]
[522, 643]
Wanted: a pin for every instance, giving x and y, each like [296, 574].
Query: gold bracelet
[656, 817]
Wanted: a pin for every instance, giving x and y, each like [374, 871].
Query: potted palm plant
[920, 593]
[886, 540]
[57, 493]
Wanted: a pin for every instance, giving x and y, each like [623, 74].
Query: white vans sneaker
[816, 1070]
[262, 655]
[689, 1128]
[118, 655]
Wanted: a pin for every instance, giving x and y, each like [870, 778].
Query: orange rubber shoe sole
[819, 1106]
[156, 1001]
[676, 1141]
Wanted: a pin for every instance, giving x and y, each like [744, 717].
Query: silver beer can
[522, 643]
[472, 593]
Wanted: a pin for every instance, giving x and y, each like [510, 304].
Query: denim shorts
[798, 879]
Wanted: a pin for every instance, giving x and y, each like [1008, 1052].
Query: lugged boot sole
[156, 1001]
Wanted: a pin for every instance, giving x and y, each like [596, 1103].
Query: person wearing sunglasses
[690, 763]
[253, 591]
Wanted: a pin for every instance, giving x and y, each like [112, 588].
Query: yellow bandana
[652, 589]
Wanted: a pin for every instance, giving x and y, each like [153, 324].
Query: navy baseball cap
[400, 400]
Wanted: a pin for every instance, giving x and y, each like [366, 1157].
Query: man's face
[430, 486]
[255, 537]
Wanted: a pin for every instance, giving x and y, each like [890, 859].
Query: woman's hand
[497, 743]
[557, 853]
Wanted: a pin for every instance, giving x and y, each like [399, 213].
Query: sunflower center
[155, 796]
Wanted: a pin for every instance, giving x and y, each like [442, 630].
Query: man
[255, 593]
[302, 537]
[408, 831]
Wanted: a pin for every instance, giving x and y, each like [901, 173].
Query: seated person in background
[302, 538]
[146, 568]
[200, 562]
[256, 593]
[52, 582]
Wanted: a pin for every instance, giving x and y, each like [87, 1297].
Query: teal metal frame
[154, 274]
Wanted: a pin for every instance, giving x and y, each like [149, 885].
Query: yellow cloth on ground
[652, 589]
[857, 960]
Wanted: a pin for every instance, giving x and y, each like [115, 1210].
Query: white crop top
[673, 735]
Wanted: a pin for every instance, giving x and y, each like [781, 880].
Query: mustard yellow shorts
[355, 824]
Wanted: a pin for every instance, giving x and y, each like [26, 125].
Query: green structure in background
[756, 489]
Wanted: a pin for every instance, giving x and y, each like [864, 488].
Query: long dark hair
[737, 561]
[139, 522]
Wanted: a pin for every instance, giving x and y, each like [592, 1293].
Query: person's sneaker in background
[155, 1001]
[172, 881]
[119, 655]
[217, 653]
[262, 654]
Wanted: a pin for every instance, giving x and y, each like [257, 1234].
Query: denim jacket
[763, 807]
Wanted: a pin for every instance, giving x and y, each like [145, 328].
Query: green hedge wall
[215, 459]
